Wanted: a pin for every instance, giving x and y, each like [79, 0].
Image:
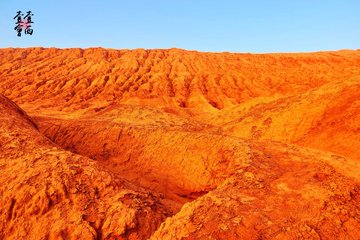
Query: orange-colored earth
[174, 144]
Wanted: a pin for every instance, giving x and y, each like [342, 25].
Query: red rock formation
[221, 145]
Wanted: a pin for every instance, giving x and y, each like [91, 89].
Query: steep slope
[47, 192]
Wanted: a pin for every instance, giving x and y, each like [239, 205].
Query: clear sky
[204, 25]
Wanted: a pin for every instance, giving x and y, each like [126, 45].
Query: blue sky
[204, 25]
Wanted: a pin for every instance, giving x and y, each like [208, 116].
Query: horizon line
[181, 49]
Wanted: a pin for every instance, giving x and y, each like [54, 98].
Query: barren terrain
[173, 144]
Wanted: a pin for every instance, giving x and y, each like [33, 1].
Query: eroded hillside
[174, 144]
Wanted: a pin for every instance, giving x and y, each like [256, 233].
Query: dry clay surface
[174, 144]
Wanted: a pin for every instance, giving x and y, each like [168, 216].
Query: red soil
[174, 144]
